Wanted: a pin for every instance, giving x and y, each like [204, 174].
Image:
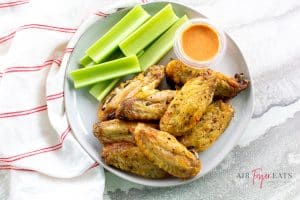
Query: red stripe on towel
[37, 26]
[12, 4]
[23, 112]
[68, 50]
[31, 68]
[54, 96]
[11, 167]
[93, 166]
[38, 151]
[101, 14]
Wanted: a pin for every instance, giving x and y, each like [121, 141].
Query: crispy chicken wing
[148, 79]
[136, 109]
[212, 124]
[116, 130]
[188, 105]
[128, 157]
[145, 105]
[156, 96]
[166, 152]
[227, 87]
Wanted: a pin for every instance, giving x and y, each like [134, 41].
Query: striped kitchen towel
[35, 136]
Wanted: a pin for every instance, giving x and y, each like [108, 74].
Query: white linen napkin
[37, 147]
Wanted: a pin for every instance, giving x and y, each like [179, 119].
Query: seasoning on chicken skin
[212, 124]
[128, 157]
[151, 78]
[188, 105]
[116, 130]
[166, 152]
[145, 105]
[227, 87]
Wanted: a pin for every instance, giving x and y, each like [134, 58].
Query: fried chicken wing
[148, 79]
[212, 124]
[135, 109]
[128, 157]
[145, 105]
[227, 87]
[156, 96]
[166, 152]
[116, 130]
[188, 105]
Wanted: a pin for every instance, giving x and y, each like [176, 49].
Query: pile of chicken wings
[157, 133]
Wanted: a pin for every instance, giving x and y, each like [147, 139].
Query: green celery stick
[147, 57]
[115, 55]
[149, 31]
[105, 71]
[86, 61]
[161, 46]
[100, 90]
[139, 54]
[109, 42]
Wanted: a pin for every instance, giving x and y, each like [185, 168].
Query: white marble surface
[268, 34]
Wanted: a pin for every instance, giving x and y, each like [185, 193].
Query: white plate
[82, 108]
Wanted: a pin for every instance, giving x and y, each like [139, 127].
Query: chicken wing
[155, 96]
[212, 124]
[114, 131]
[188, 105]
[148, 79]
[227, 87]
[128, 157]
[145, 105]
[166, 152]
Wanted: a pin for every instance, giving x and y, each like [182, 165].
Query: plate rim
[73, 42]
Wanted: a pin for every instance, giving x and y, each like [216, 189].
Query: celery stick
[149, 31]
[105, 71]
[139, 54]
[161, 46]
[86, 61]
[100, 90]
[147, 58]
[109, 42]
[115, 55]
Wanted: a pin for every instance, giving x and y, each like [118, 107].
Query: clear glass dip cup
[178, 49]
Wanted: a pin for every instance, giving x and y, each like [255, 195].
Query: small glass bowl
[190, 61]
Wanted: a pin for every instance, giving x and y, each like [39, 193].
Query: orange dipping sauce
[200, 42]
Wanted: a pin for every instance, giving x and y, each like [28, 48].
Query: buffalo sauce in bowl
[198, 43]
